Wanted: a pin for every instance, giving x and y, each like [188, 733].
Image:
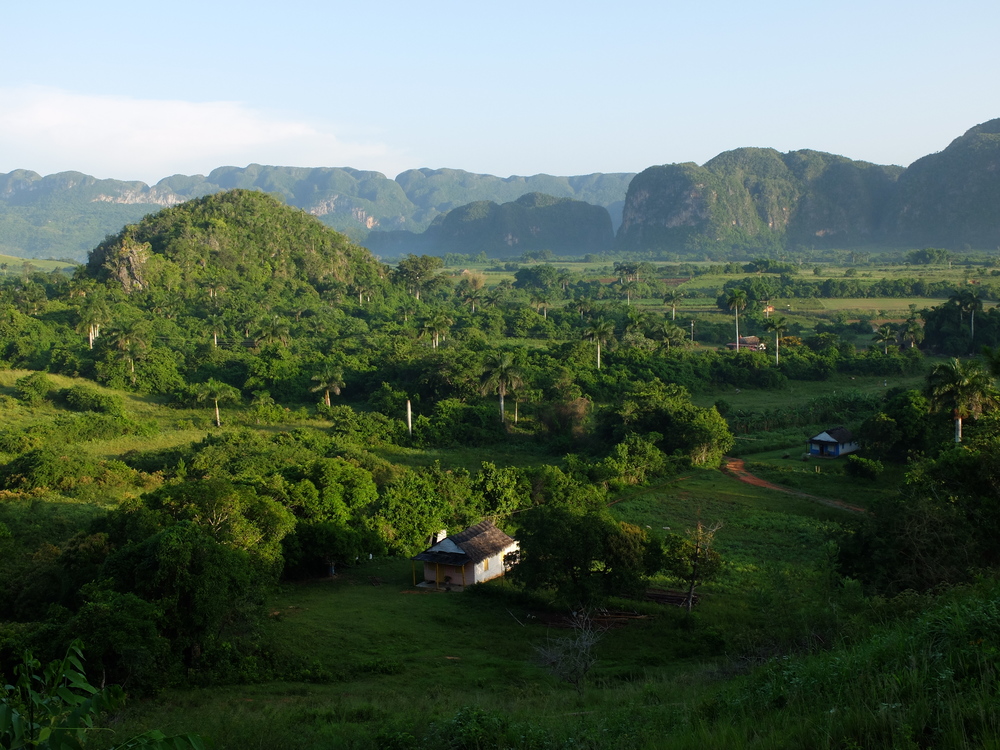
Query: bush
[84, 398]
[456, 423]
[44, 467]
[863, 468]
[362, 427]
[33, 389]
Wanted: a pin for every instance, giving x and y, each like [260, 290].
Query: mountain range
[744, 201]
[65, 215]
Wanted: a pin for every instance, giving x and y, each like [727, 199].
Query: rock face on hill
[951, 198]
[533, 222]
[759, 200]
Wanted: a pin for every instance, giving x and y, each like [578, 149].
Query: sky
[142, 91]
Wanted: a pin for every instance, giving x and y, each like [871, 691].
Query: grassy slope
[392, 662]
[399, 661]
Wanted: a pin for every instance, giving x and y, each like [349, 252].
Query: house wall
[494, 569]
[831, 450]
[491, 567]
[433, 572]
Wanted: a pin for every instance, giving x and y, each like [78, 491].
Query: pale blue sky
[136, 91]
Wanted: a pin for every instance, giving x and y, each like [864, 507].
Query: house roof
[474, 544]
[748, 341]
[838, 435]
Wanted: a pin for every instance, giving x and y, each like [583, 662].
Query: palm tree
[437, 326]
[670, 299]
[600, 331]
[329, 380]
[964, 388]
[472, 297]
[94, 313]
[912, 331]
[884, 335]
[272, 331]
[967, 301]
[541, 301]
[129, 339]
[217, 392]
[779, 325]
[500, 374]
[671, 334]
[628, 289]
[737, 300]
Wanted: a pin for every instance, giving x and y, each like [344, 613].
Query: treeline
[788, 287]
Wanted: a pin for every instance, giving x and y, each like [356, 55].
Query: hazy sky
[142, 91]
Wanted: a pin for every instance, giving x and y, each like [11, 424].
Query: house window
[486, 564]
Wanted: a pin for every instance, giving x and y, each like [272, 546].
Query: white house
[470, 556]
[833, 443]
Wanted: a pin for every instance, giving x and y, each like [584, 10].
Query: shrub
[44, 467]
[863, 468]
[85, 398]
[33, 389]
[362, 427]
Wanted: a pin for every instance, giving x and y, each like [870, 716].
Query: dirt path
[735, 467]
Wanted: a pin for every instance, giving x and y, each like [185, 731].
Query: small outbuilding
[750, 343]
[833, 443]
[470, 556]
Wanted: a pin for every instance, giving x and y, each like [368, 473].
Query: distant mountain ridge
[744, 201]
[759, 200]
[66, 214]
[535, 221]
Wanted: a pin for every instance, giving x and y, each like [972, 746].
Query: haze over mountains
[745, 201]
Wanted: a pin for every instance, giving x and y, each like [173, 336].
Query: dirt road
[735, 467]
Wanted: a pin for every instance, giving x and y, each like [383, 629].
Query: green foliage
[922, 678]
[46, 467]
[233, 515]
[454, 422]
[700, 435]
[583, 557]
[691, 558]
[58, 709]
[85, 398]
[364, 428]
[209, 596]
[33, 389]
[863, 468]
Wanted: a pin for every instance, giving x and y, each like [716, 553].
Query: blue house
[833, 443]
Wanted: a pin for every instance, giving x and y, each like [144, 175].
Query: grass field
[361, 660]
[12, 265]
[378, 661]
